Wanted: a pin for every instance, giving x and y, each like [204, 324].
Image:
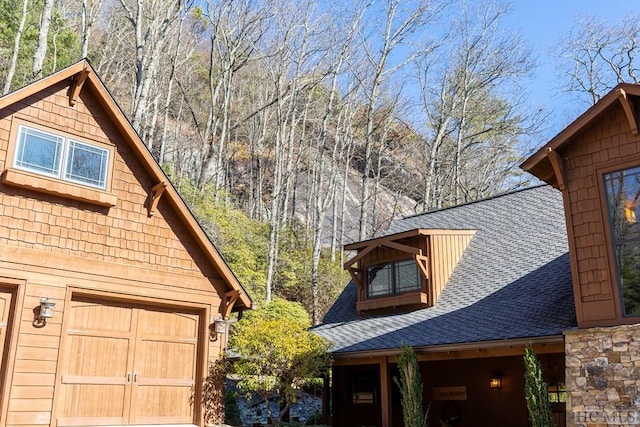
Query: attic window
[393, 278]
[60, 157]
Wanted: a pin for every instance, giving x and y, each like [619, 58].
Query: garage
[127, 363]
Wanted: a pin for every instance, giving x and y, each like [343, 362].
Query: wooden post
[326, 400]
[385, 395]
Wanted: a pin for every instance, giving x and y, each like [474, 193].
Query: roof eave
[453, 348]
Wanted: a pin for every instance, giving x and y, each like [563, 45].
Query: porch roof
[513, 281]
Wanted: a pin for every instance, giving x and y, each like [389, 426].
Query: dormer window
[393, 278]
[404, 271]
[60, 157]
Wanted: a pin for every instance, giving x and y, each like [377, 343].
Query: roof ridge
[495, 196]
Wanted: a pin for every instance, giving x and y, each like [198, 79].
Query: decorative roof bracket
[154, 197]
[627, 106]
[76, 86]
[356, 275]
[423, 264]
[556, 163]
[228, 302]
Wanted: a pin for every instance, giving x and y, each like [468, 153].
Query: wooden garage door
[128, 364]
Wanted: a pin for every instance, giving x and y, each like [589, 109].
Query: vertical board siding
[446, 251]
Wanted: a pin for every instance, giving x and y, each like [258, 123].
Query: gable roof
[513, 281]
[82, 76]
[623, 95]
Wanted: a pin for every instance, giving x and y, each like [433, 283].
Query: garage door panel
[94, 400]
[167, 323]
[6, 319]
[166, 360]
[166, 352]
[98, 356]
[152, 398]
[96, 316]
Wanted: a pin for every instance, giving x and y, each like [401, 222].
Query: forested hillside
[294, 126]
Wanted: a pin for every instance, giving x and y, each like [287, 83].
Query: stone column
[603, 376]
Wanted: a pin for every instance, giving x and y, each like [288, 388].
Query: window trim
[394, 291]
[63, 174]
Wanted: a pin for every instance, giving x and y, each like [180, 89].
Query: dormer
[404, 271]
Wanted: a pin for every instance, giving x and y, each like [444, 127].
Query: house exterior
[467, 287]
[89, 222]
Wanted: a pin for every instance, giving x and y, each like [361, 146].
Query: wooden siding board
[24, 418]
[31, 392]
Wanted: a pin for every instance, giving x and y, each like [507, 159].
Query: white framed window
[60, 157]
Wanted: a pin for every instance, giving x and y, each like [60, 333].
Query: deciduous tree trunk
[16, 48]
[43, 33]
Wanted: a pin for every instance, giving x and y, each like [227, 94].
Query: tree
[596, 56]
[43, 34]
[410, 385]
[535, 390]
[150, 22]
[276, 352]
[90, 9]
[16, 48]
[471, 100]
[401, 21]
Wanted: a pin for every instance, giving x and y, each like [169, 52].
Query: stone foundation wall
[603, 376]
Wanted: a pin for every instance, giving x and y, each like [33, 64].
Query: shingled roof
[513, 281]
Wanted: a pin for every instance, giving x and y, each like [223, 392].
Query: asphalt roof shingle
[513, 280]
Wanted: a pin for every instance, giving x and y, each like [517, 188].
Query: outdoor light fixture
[496, 381]
[218, 327]
[46, 309]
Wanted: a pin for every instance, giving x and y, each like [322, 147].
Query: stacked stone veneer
[603, 376]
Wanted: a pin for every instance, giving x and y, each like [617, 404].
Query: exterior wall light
[218, 327]
[496, 381]
[46, 309]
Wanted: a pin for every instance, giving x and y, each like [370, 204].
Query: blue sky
[543, 24]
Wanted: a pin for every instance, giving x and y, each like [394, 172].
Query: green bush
[536, 391]
[231, 410]
[314, 419]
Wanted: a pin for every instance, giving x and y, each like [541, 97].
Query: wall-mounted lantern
[218, 327]
[46, 309]
[496, 381]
